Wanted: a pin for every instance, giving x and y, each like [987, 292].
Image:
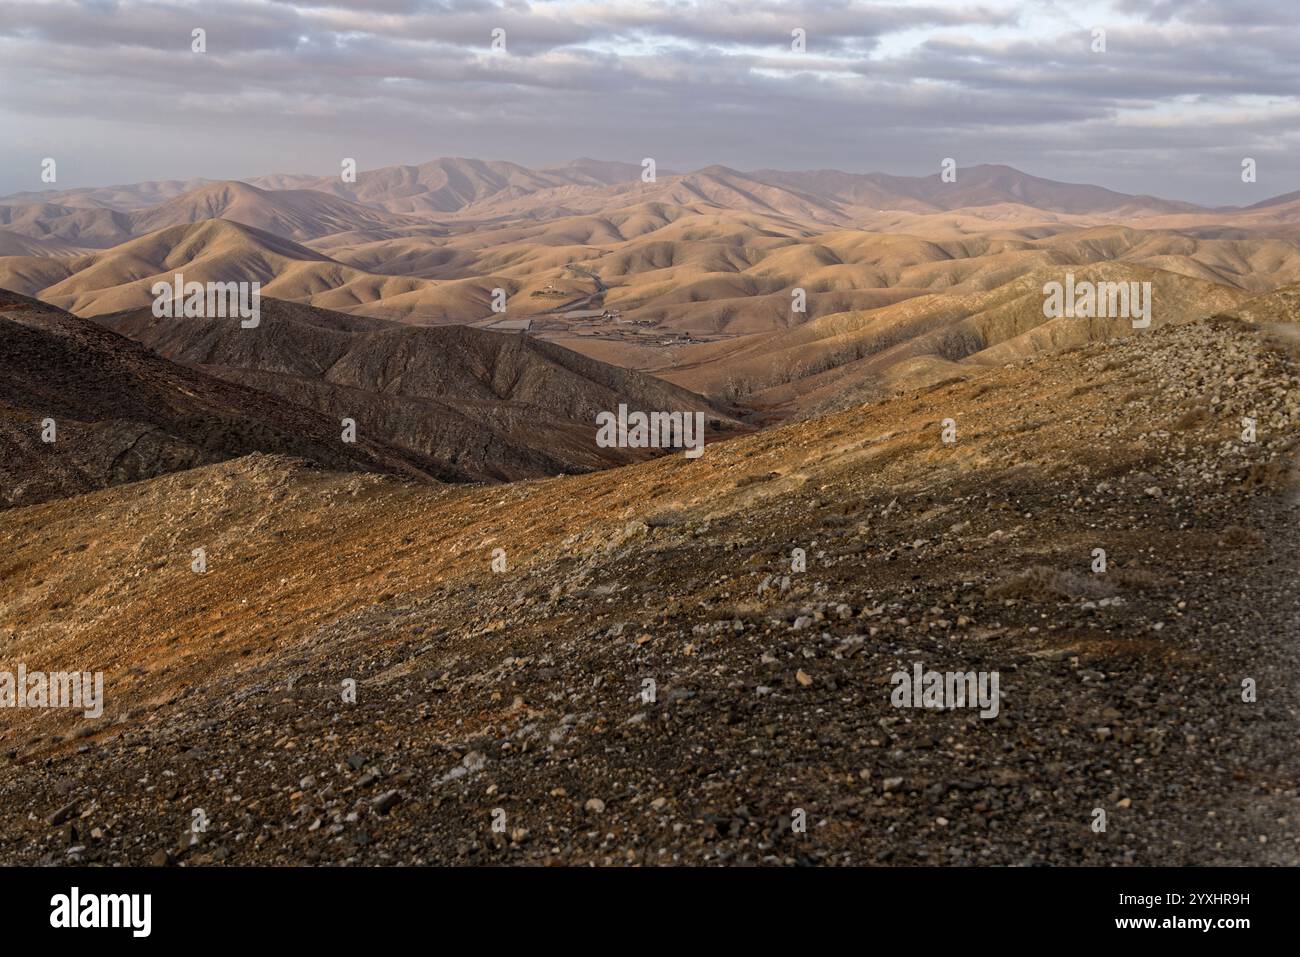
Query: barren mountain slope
[210, 251]
[79, 226]
[124, 196]
[14, 244]
[1280, 305]
[294, 214]
[850, 357]
[526, 693]
[297, 214]
[981, 185]
[449, 184]
[478, 188]
[707, 255]
[120, 413]
[705, 271]
[491, 405]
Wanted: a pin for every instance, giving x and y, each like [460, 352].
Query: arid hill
[124, 196]
[297, 214]
[650, 275]
[982, 185]
[685, 274]
[847, 358]
[115, 412]
[491, 405]
[450, 184]
[292, 214]
[209, 251]
[74, 227]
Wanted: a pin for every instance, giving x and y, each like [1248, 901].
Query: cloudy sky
[1184, 90]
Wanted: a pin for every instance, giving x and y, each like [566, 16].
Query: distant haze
[1183, 92]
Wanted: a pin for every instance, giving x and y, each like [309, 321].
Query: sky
[1183, 91]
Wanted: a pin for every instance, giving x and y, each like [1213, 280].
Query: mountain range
[462, 186]
[692, 277]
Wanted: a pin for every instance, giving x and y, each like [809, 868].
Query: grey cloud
[1220, 12]
[287, 83]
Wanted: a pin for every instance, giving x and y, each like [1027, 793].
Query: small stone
[595, 805]
[61, 815]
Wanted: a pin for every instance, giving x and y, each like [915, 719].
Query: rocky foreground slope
[505, 716]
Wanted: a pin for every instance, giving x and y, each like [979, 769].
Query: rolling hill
[215, 250]
[489, 405]
[292, 214]
[121, 413]
[691, 277]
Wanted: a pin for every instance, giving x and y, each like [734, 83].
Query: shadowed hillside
[121, 413]
[491, 405]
